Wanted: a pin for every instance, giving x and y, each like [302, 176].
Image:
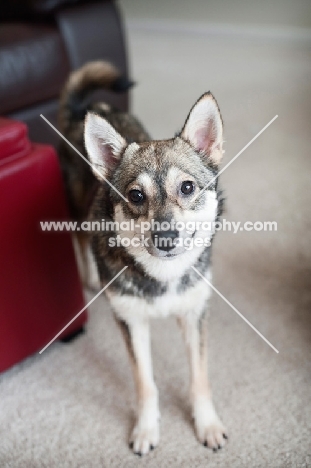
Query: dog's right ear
[103, 143]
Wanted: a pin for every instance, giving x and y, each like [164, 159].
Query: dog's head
[164, 182]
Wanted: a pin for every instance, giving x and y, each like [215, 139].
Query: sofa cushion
[33, 65]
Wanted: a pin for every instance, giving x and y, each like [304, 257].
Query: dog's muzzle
[164, 240]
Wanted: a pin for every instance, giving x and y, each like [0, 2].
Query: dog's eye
[136, 196]
[187, 187]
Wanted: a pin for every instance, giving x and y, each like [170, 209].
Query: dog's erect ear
[103, 143]
[203, 128]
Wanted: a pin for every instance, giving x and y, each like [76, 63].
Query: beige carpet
[74, 405]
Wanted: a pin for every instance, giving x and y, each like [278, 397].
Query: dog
[141, 182]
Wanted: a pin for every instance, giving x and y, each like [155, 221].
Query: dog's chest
[176, 302]
[172, 302]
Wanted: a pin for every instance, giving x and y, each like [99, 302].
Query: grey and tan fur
[158, 281]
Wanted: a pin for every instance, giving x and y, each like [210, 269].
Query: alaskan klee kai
[161, 181]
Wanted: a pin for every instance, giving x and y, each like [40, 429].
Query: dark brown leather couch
[41, 41]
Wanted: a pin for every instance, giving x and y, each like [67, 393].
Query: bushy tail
[92, 76]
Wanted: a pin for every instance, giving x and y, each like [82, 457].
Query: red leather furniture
[40, 290]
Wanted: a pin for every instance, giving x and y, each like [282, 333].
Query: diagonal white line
[84, 158]
[236, 310]
[235, 157]
[82, 310]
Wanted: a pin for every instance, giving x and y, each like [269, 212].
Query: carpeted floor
[73, 406]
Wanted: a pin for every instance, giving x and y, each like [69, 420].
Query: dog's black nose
[164, 240]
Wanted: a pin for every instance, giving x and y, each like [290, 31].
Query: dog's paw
[209, 428]
[145, 437]
[212, 435]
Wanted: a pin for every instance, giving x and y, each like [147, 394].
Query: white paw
[212, 435]
[209, 428]
[145, 436]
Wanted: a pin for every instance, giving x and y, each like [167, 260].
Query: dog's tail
[91, 76]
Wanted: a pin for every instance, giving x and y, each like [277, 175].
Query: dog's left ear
[103, 143]
[203, 128]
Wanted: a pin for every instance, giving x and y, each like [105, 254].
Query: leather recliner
[41, 41]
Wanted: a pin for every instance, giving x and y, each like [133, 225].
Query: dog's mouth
[168, 256]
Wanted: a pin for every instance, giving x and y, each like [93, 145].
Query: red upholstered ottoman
[40, 289]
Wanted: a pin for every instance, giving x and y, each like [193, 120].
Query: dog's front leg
[209, 429]
[145, 435]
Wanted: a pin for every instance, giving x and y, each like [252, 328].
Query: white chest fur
[191, 301]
